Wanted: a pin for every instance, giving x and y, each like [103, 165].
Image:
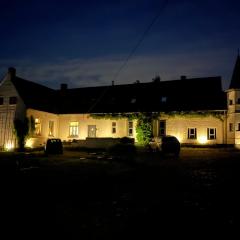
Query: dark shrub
[53, 146]
[127, 140]
[123, 152]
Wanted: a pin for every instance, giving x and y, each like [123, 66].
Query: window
[238, 127]
[238, 101]
[37, 126]
[13, 100]
[192, 133]
[164, 99]
[114, 127]
[73, 129]
[130, 128]
[162, 128]
[1, 100]
[51, 128]
[230, 127]
[133, 100]
[211, 133]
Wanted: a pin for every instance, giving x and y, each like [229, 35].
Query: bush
[127, 140]
[123, 152]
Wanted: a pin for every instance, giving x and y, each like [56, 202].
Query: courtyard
[91, 195]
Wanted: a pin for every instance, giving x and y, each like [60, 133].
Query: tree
[144, 129]
[22, 128]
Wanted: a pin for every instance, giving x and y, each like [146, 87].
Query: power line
[147, 30]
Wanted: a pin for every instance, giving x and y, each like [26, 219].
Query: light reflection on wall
[8, 146]
[202, 139]
[29, 143]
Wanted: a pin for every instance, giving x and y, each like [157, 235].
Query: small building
[196, 110]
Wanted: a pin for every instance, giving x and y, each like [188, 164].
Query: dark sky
[84, 43]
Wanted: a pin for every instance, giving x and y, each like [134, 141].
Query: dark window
[162, 128]
[230, 102]
[230, 127]
[130, 128]
[211, 132]
[238, 127]
[12, 100]
[192, 133]
[1, 100]
[114, 127]
[238, 101]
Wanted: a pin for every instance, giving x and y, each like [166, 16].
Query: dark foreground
[86, 196]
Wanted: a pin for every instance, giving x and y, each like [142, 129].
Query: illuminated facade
[196, 111]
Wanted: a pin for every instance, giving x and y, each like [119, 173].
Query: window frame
[51, 128]
[238, 127]
[211, 136]
[192, 136]
[114, 127]
[73, 129]
[37, 126]
[1, 100]
[130, 128]
[161, 127]
[12, 100]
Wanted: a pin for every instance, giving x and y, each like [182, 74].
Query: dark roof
[177, 95]
[235, 81]
[194, 94]
[36, 96]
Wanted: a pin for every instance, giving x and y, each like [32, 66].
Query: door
[92, 131]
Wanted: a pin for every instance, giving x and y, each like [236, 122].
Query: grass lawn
[89, 195]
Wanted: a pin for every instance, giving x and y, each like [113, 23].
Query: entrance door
[92, 131]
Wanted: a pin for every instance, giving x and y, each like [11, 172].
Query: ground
[89, 195]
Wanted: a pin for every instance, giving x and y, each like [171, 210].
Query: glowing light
[179, 138]
[202, 139]
[29, 143]
[9, 146]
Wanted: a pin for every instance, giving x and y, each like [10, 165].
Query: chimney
[183, 77]
[12, 72]
[64, 86]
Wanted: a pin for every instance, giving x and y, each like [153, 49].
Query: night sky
[85, 43]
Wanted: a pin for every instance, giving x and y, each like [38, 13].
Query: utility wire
[147, 30]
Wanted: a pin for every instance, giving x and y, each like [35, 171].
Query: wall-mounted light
[202, 139]
[8, 146]
[29, 143]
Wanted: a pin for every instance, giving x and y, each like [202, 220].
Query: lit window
[51, 128]
[1, 100]
[114, 127]
[230, 127]
[162, 128]
[37, 126]
[130, 128]
[211, 133]
[13, 100]
[73, 129]
[192, 133]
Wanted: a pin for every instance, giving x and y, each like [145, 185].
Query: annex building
[196, 110]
